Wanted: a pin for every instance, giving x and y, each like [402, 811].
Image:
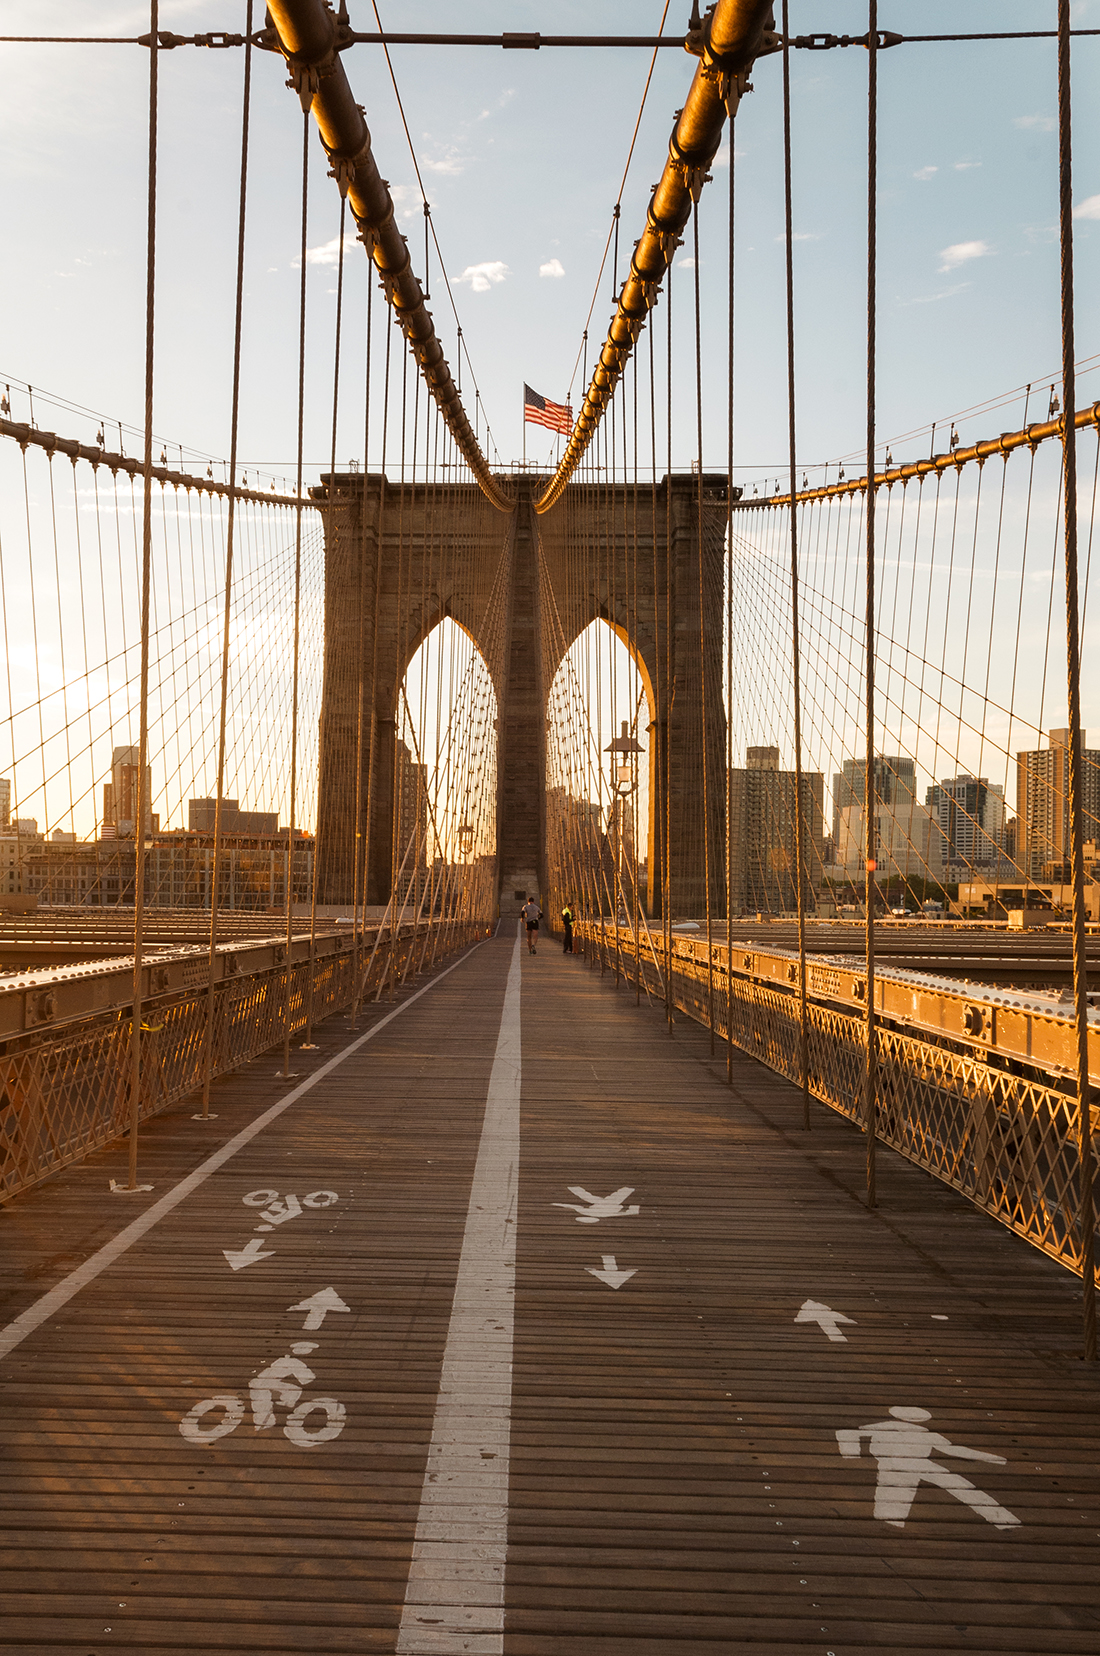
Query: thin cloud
[552, 267]
[686, 263]
[407, 200]
[451, 162]
[934, 298]
[1088, 209]
[926, 172]
[961, 253]
[484, 276]
[327, 253]
[801, 235]
[965, 166]
[1034, 123]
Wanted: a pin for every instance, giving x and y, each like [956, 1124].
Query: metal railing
[1002, 1131]
[65, 1084]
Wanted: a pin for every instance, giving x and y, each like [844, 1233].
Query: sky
[521, 155]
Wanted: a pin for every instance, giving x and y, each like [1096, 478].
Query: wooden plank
[676, 1482]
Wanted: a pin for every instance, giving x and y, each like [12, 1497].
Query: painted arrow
[319, 1305]
[240, 1257]
[812, 1312]
[611, 1273]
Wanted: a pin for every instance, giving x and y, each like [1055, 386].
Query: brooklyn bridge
[691, 841]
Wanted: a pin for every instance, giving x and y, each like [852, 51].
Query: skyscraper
[763, 834]
[120, 795]
[895, 784]
[1042, 803]
[970, 812]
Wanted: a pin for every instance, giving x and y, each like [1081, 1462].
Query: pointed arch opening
[445, 770]
[599, 736]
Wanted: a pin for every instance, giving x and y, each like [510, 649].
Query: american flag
[541, 411]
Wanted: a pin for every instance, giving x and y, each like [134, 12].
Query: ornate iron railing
[1003, 1133]
[65, 1089]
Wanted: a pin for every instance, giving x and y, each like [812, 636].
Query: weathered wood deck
[662, 1454]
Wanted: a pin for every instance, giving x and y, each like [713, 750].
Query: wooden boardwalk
[658, 1450]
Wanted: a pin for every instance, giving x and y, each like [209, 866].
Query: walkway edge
[43, 1309]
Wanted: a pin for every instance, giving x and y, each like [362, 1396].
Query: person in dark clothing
[567, 923]
[531, 915]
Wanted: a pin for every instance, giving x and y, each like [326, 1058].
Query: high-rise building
[763, 834]
[970, 812]
[201, 812]
[1042, 804]
[907, 842]
[411, 850]
[120, 795]
[895, 786]
[5, 801]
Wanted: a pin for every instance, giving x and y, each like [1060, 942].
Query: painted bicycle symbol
[280, 1385]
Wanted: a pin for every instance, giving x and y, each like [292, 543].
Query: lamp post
[624, 750]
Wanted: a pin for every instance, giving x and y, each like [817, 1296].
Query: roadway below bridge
[510, 1328]
[1033, 959]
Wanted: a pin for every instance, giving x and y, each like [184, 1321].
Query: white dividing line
[454, 1601]
[43, 1309]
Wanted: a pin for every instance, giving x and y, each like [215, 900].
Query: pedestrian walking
[531, 915]
[567, 924]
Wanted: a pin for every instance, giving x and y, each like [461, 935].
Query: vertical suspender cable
[146, 574]
[1073, 666]
[364, 744]
[796, 664]
[208, 1041]
[703, 619]
[670, 668]
[869, 804]
[288, 1014]
[330, 542]
[728, 564]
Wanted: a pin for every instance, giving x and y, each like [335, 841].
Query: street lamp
[623, 776]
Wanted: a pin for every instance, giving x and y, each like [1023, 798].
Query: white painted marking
[282, 1209]
[611, 1273]
[192, 1428]
[813, 1312]
[454, 1601]
[903, 1447]
[44, 1308]
[302, 1348]
[280, 1382]
[335, 1420]
[591, 1209]
[319, 1305]
[320, 1198]
[260, 1198]
[127, 1190]
[251, 1254]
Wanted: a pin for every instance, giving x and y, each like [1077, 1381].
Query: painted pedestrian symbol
[903, 1448]
[591, 1209]
[279, 1385]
